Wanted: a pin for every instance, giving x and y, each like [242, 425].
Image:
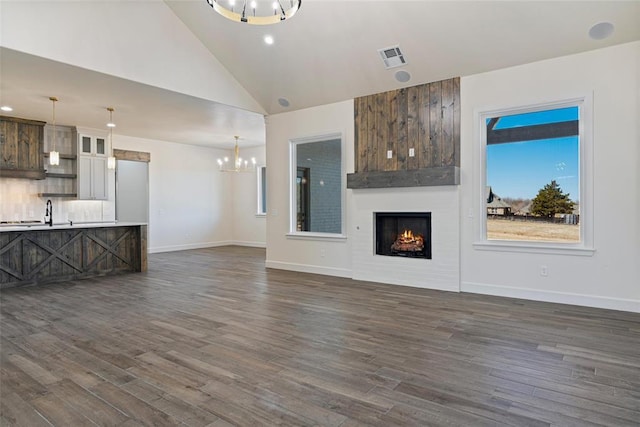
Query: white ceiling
[326, 53]
[141, 110]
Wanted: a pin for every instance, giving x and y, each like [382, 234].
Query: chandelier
[239, 165]
[257, 12]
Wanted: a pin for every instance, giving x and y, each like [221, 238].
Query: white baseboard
[249, 244]
[305, 268]
[449, 287]
[189, 246]
[174, 248]
[550, 296]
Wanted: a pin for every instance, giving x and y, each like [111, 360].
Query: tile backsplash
[19, 201]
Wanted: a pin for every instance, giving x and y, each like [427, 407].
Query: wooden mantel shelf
[426, 177]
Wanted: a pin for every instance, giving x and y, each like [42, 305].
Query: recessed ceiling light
[601, 30]
[268, 39]
[6, 108]
[284, 102]
[403, 76]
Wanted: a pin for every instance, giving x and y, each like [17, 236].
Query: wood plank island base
[42, 254]
[210, 337]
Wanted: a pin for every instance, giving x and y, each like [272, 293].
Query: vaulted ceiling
[327, 53]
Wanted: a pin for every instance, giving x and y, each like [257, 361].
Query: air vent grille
[392, 57]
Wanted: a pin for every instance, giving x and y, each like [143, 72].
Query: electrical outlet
[412, 152]
[389, 154]
[544, 271]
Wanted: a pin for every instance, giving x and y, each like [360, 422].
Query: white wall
[249, 229]
[325, 256]
[611, 277]
[108, 36]
[190, 201]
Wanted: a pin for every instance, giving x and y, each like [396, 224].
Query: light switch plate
[389, 154]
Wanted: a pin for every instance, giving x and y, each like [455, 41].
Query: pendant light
[54, 156]
[111, 160]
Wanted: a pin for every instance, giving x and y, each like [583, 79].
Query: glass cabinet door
[86, 145]
[101, 146]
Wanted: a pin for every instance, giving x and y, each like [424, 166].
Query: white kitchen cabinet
[92, 167]
[92, 146]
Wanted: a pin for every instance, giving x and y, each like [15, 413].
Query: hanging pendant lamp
[54, 156]
[111, 160]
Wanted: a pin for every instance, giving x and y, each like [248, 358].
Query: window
[536, 185]
[316, 188]
[261, 173]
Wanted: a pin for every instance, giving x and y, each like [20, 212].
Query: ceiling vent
[392, 57]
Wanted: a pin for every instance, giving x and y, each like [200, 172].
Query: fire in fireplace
[406, 234]
[408, 242]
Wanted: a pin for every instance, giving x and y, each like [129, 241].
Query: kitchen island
[35, 254]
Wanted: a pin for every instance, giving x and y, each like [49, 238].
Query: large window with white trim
[316, 185]
[537, 175]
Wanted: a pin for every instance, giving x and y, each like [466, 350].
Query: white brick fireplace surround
[442, 271]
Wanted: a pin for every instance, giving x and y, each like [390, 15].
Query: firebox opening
[405, 234]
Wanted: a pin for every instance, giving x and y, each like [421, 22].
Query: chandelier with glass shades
[257, 12]
[238, 165]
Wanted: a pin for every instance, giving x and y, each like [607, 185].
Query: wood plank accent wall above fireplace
[419, 126]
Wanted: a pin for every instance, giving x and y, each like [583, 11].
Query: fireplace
[404, 234]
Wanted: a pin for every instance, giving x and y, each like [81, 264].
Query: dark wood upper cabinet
[21, 147]
[404, 130]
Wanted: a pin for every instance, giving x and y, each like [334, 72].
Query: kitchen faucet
[48, 213]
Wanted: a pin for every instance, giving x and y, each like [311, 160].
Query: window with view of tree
[533, 170]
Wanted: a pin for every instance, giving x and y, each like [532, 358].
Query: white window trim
[259, 185]
[586, 245]
[311, 235]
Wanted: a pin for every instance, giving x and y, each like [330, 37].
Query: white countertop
[66, 225]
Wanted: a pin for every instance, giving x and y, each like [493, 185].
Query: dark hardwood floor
[211, 338]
